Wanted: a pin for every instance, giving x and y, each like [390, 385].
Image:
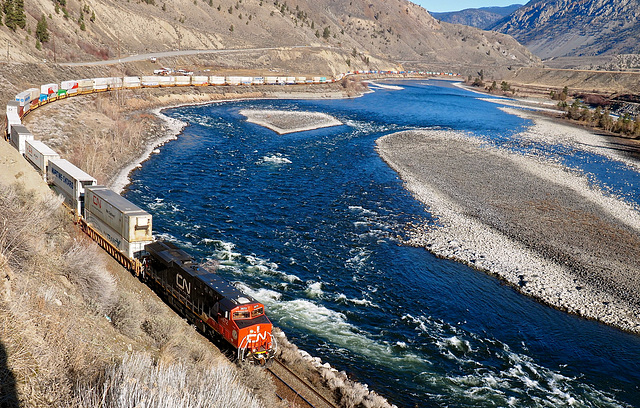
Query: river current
[310, 223]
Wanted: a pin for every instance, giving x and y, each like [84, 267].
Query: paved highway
[177, 53]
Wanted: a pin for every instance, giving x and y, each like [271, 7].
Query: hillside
[561, 28]
[477, 17]
[351, 35]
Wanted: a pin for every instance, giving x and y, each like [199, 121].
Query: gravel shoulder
[531, 222]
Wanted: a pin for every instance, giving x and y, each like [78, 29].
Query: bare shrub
[140, 382]
[25, 223]
[127, 315]
[256, 379]
[87, 271]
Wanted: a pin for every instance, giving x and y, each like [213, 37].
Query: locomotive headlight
[235, 335]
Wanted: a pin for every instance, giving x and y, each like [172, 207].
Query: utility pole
[8, 51]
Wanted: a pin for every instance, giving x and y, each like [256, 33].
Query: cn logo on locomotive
[183, 284]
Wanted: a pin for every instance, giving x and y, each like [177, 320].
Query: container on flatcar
[12, 116]
[49, 89]
[131, 82]
[114, 83]
[70, 86]
[86, 86]
[183, 80]
[70, 182]
[199, 80]
[39, 155]
[290, 80]
[25, 98]
[258, 81]
[150, 81]
[130, 249]
[217, 80]
[245, 80]
[270, 80]
[19, 135]
[169, 80]
[233, 80]
[125, 218]
[101, 84]
[301, 80]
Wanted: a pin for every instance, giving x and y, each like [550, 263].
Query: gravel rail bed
[533, 223]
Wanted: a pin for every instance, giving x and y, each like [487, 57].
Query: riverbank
[531, 222]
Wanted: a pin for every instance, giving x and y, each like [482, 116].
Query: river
[310, 223]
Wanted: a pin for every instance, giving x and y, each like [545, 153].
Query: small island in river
[283, 122]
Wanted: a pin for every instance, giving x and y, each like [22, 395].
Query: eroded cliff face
[557, 28]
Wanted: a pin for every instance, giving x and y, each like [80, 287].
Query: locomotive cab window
[241, 315]
[257, 312]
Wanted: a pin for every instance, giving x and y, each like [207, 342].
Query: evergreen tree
[19, 15]
[42, 31]
[326, 33]
[9, 15]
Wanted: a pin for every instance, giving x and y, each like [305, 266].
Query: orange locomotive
[209, 302]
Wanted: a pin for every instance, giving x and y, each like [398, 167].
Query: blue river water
[308, 223]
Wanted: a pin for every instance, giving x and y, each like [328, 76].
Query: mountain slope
[477, 17]
[354, 34]
[557, 28]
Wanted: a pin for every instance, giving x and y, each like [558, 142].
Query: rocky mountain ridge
[560, 28]
[353, 35]
[477, 17]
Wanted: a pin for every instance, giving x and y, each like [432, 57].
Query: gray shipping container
[19, 135]
[70, 181]
[130, 249]
[120, 214]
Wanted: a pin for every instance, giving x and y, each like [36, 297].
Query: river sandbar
[529, 221]
[283, 122]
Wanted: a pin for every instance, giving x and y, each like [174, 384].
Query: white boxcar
[131, 82]
[19, 135]
[217, 80]
[130, 249]
[70, 182]
[183, 80]
[39, 155]
[199, 80]
[124, 217]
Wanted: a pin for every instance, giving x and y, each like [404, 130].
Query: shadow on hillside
[8, 392]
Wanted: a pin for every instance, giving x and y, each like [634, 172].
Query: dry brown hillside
[353, 34]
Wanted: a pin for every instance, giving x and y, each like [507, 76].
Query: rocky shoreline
[529, 221]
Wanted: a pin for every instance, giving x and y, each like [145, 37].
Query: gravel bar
[283, 122]
[531, 222]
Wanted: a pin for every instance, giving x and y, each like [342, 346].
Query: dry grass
[58, 349]
[139, 381]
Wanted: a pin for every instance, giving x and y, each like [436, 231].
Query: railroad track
[290, 387]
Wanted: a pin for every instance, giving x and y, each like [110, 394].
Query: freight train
[124, 230]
